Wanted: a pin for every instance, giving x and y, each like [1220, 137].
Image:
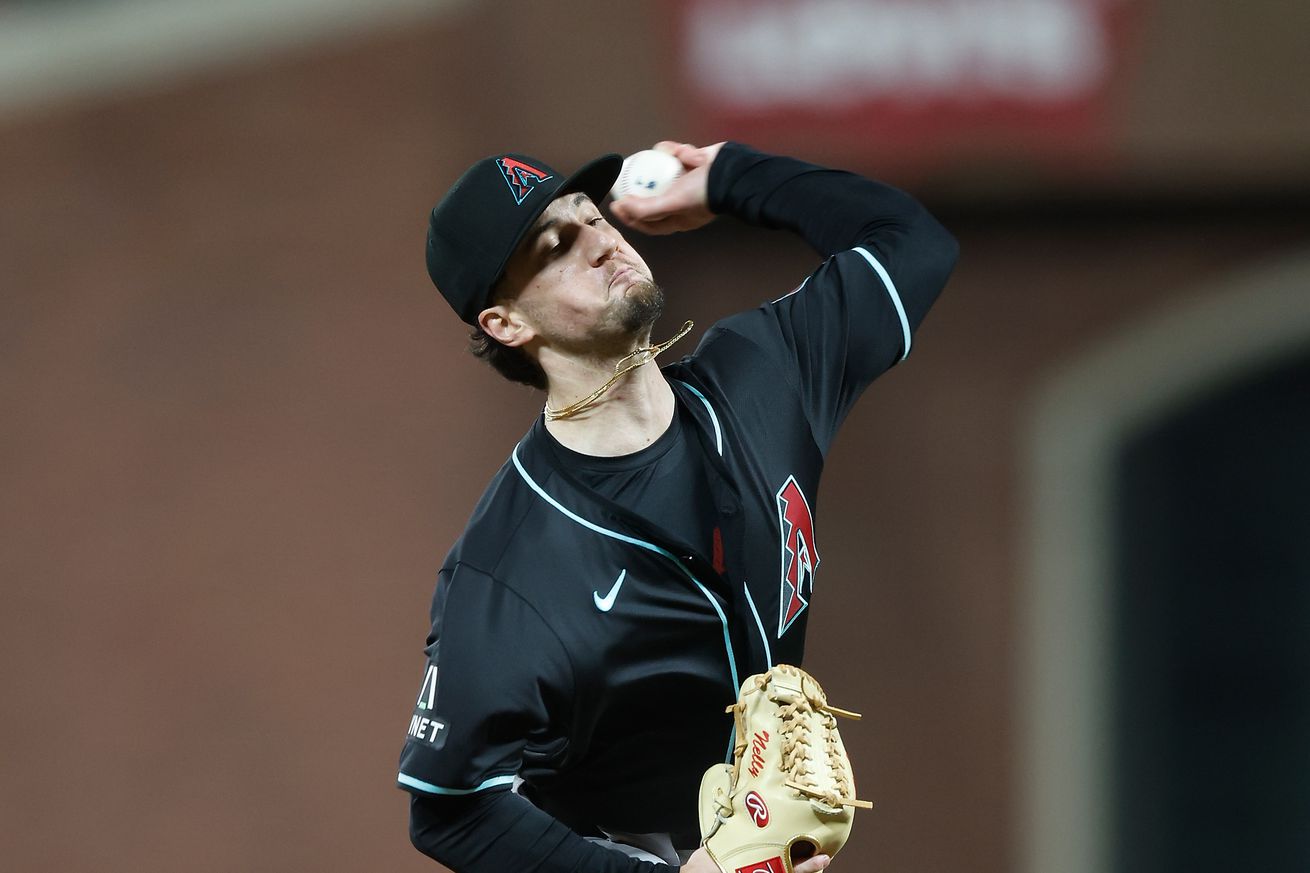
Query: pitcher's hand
[685, 205]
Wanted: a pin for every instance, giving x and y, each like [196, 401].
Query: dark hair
[513, 363]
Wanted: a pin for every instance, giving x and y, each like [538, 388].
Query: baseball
[646, 174]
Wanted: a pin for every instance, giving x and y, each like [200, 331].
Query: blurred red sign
[914, 80]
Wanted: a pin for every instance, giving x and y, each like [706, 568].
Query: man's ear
[505, 325]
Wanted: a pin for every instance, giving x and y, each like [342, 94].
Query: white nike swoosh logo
[606, 603]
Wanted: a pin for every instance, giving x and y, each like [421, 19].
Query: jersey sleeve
[886, 260]
[477, 709]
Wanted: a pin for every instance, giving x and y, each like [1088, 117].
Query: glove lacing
[798, 748]
[797, 756]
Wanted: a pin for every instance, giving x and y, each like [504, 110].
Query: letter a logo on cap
[520, 177]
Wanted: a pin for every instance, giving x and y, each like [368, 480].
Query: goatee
[643, 306]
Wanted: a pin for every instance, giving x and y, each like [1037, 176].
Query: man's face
[578, 284]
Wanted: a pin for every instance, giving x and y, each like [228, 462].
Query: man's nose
[602, 243]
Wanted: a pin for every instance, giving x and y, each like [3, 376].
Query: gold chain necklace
[643, 355]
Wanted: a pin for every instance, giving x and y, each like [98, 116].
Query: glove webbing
[796, 751]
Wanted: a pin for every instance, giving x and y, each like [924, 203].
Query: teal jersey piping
[405, 779]
[750, 601]
[891, 291]
[718, 431]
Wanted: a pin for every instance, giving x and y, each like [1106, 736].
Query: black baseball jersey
[589, 651]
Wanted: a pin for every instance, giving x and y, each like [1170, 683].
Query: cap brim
[596, 178]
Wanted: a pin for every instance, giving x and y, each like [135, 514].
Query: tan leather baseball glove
[788, 794]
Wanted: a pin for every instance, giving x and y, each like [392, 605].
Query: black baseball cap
[475, 228]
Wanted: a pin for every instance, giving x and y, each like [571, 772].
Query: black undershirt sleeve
[834, 210]
[495, 831]
[886, 260]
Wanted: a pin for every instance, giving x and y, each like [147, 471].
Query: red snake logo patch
[520, 177]
[800, 555]
[769, 865]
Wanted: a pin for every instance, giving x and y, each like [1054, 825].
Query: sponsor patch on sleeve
[424, 726]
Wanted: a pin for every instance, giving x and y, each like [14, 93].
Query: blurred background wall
[1065, 546]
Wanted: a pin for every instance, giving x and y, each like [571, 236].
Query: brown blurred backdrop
[238, 429]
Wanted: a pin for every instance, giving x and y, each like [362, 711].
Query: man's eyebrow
[551, 222]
